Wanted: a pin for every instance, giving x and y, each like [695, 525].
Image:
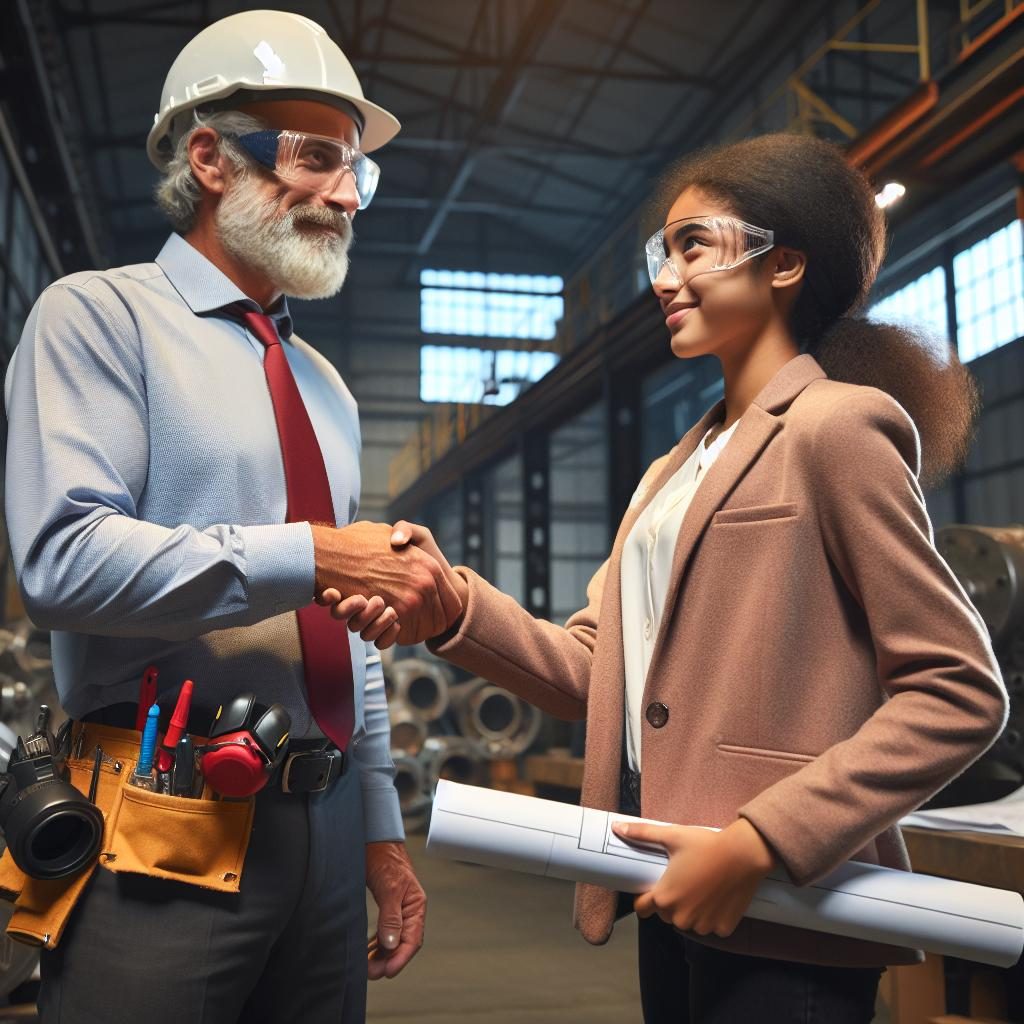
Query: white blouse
[646, 567]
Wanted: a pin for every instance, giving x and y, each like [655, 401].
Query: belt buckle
[330, 755]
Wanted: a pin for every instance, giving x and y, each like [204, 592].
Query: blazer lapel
[756, 428]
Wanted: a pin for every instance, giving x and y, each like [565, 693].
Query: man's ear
[206, 161]
[788, 268]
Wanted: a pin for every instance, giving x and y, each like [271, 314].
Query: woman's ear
[789, 267]
[206, 161]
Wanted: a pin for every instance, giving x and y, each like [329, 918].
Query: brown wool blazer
[823, 670]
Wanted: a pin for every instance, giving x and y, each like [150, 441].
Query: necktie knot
[263, 327]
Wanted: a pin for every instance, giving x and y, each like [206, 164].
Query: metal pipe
[499, 724]
[408, 730]
[410, 780]
[453, 758]
[422, 686]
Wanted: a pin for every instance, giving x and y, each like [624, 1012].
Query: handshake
[389, 584]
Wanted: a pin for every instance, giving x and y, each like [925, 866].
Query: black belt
[310, 766]
[310, 770]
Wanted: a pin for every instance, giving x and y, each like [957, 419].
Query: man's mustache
[337, 220]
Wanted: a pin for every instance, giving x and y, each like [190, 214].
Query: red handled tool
[177, 728]
[147, 696]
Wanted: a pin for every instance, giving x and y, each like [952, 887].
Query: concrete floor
[500, 948]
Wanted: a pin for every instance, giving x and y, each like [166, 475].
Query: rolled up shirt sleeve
[77, 463]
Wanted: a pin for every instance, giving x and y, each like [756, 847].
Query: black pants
[686, 982]
[290, 946]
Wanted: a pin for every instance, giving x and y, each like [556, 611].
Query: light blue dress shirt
[146, 500]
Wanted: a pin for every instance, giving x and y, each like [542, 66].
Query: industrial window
[989, 282]
[921, 303]
[455, 374]
[490, 305]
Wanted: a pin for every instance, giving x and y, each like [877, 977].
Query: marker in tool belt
[179, 723]
[143, 774]
[184, 767]
[147, 696]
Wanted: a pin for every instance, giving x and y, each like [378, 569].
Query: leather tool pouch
[197, 841]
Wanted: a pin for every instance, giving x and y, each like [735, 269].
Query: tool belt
[196, 841]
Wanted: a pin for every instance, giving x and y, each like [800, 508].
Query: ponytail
[921, 372]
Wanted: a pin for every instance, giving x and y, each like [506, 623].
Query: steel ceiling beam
[528, 133]
[620, 45]
[500, 96]
[732, 80]
[479, 61]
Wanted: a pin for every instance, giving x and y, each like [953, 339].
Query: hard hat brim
[379, 126]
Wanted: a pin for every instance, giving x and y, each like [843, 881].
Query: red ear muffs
[247, 743]
[234, 765]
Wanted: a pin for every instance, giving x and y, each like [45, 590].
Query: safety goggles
[691, 246]
[312, 162]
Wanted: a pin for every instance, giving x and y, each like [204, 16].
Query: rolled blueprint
[860, 901]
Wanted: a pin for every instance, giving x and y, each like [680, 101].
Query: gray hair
[178, 193]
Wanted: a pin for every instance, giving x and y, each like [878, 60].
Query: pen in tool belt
[143, 775]
[147, 696]
[179, 723]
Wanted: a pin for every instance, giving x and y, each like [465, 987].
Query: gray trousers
[290, 946]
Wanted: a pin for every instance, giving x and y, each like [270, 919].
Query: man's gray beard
[302, 264]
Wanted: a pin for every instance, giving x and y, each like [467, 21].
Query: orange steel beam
[996, 110]
[993, 30]
[894, 124]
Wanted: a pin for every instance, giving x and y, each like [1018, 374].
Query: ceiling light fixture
[891, 193]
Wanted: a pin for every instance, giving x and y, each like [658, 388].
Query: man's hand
[711, 876]
[401, 905]
[361, 560]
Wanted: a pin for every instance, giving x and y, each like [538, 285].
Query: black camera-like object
[51, 829]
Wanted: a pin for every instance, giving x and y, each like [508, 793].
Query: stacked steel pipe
[989, 563]
[444, 730]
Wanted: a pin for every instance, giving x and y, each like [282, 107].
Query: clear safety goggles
[312, 162]
[683, 249]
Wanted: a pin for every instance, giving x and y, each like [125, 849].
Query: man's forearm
[110, 574]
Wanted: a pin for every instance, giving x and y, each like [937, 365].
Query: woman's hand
[370, 618]
[711, 876]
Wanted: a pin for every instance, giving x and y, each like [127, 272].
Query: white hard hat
[262, 55]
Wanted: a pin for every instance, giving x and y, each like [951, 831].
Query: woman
[774, 647]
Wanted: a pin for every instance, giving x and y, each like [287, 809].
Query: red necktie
[326, 657]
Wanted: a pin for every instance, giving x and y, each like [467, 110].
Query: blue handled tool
[143, 775]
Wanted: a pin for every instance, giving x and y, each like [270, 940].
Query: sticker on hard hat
[273, 67]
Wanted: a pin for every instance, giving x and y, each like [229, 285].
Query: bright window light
[475, 304]
[989, 282]
[922, 303]
[456, 374]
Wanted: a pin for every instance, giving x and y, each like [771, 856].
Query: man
[179, 462]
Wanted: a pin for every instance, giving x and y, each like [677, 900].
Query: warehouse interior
[512, 372]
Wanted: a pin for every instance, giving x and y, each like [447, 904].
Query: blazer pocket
[755, 513]
[770, 755]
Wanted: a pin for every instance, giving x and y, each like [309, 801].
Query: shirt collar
[206, 289]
